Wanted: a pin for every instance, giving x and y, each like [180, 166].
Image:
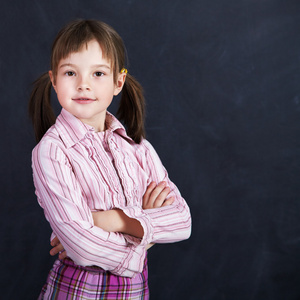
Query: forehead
[89, 53]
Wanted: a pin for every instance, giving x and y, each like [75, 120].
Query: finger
[160, 199]
[62, 255]
[147, 194]
[56, 249]
[54, 242]
[149, 246]
[155, 193]
[168, 201]
[149, 189]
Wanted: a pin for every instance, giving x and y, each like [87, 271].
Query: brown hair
[71, 39]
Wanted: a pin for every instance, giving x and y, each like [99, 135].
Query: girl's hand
[155, 196]
[57, 248]
[149, 246]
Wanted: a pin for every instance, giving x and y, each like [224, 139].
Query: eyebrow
[93, 66]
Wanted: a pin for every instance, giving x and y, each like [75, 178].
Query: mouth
[83, 100]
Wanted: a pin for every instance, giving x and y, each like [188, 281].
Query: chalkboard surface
[222, 83]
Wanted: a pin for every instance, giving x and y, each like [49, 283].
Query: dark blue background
[221, 80]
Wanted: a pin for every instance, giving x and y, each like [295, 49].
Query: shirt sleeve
[71, 220]
[167, 224]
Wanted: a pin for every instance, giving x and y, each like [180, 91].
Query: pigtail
[132, 108]
[40, 109]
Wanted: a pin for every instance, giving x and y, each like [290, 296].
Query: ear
[52, 79]
[120, 83]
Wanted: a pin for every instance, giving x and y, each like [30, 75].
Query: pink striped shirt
[77, 171]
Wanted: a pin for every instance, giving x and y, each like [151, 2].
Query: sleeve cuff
[133, 264]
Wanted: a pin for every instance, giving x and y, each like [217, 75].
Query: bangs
[77, 35]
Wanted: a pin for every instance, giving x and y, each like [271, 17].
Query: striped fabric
[77, 171]
[67, 281]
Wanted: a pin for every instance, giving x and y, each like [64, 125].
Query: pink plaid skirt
[68, 281]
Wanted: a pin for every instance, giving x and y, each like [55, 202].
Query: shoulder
[146, 149]
[146, 146]
[50, 145]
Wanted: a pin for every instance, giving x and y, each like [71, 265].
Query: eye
[98, 74]
[70, 73]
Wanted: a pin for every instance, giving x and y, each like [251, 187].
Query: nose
[83, 84]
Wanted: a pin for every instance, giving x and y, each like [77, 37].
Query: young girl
[103, 189]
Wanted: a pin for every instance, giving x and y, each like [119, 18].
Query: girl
[103, 190]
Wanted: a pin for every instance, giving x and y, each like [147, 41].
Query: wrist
[115, 220]
[129, 225]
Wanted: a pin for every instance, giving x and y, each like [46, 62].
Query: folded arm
[116, 220]
[72, 221]
[170, 222]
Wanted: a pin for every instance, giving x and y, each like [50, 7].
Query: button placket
[103, 166]
[123, 169]
[118, 178]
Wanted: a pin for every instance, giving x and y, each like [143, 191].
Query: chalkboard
[222, 84]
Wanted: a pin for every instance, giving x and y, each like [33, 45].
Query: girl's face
[85, 85]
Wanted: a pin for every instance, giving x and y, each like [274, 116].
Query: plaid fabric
[68, 281]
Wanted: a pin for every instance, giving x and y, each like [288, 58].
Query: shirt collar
[72, 130]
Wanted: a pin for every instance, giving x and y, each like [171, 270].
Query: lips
[83, 100]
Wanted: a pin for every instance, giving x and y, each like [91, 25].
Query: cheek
[62, 93]
[62, 87]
